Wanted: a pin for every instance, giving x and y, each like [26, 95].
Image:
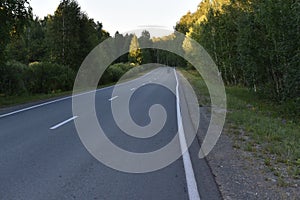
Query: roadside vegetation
[265, 128]
[39, 58]
[43, 82]
[254, 43]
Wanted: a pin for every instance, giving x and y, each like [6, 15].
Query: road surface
[42, 157]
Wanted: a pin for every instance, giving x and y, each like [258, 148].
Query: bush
[12, 78]
[115, 72]
[49, 78]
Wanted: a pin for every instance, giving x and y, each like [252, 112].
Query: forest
[254, 43]
[41, 56]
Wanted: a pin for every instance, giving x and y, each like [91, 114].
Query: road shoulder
[241, 174]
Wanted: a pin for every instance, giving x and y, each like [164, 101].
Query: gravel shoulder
[243, 175]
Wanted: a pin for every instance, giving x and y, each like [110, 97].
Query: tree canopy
[13, 16]
[254, 43]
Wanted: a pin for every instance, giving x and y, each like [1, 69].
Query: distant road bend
[42, 157]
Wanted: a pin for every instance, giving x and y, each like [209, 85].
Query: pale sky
[125, 15]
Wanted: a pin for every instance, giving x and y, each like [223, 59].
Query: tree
[145, 40]
[13, 16]
[185, 23]
[119, 43]
[29, 46]
[17, 49]
[71, 34]
[63, 35]
[101, 33]
[254, 43]
[135, 54]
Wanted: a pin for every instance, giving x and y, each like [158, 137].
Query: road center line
[63, 123]
[113, 98]
[187, 163]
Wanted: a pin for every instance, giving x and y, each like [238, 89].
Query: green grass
[6, 101]
[199, 86]
[268, 125]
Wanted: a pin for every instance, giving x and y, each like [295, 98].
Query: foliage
[165, 57]
[122, 43]
[71, 35]
[254, 43]
[12, 75]
[115, 72]
[29, 45]
[55, 47]
[186, 23]
[13, 16]
[135, 53]
[147, 54]
[49, 78]
[17, 78]
[273, 130]
[64, 38]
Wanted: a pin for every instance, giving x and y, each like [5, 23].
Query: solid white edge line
[187, 163]
[113, 98]
[69, 97]
[63, 123]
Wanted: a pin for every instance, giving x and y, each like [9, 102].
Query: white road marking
[187, 163]
[69, 97]
[113, 98]
[132, 89]
[144, 84]
[50, 102]
[63, 123]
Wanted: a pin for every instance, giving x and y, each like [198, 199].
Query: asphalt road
[43, 158]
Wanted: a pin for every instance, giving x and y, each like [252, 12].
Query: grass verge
[7, 101]
[260, 126]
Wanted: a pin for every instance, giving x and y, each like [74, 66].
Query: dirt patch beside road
[242, 175]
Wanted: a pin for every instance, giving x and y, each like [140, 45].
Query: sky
[125, 15]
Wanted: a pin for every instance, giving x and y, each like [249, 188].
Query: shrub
[115, 72]
[49, 78]
[12, 78]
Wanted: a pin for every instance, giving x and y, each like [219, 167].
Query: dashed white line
[113, 98]
[63, 123]
[187, 163]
